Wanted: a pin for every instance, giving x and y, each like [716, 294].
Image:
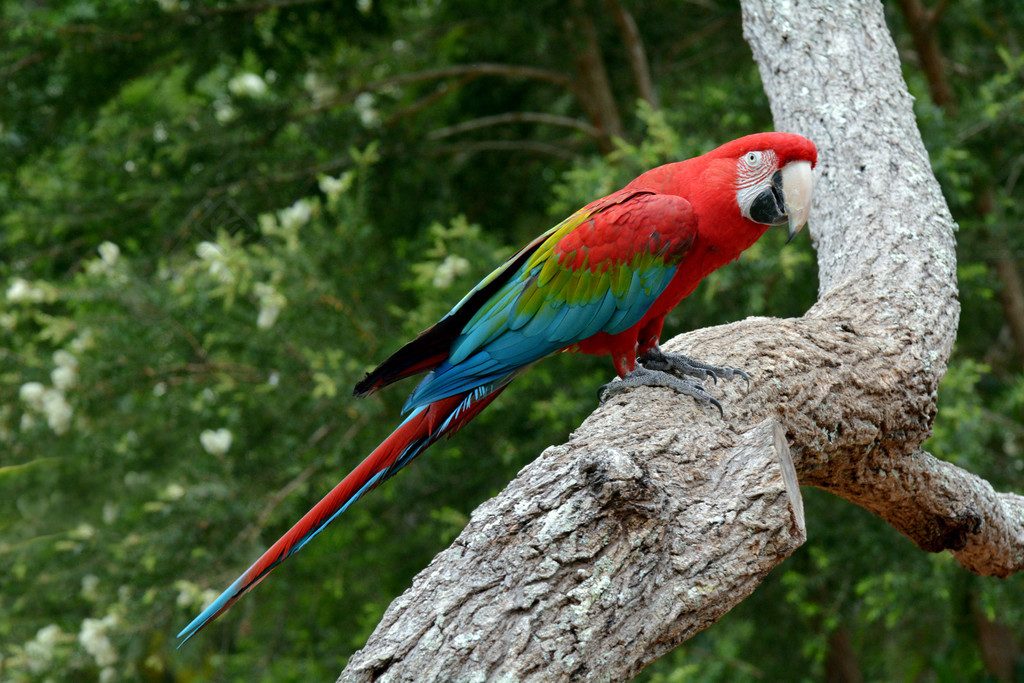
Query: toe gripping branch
[671, 370]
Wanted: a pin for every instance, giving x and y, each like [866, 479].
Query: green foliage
[217, 216]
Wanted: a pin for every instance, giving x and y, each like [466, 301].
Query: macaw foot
[642, 376]
[679, 365]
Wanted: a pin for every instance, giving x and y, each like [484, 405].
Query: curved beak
[797, 187]
[787, 199]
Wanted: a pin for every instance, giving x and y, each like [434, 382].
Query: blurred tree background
[216, 216]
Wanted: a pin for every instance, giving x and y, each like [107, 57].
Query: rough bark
[658, 516]
[634, 544]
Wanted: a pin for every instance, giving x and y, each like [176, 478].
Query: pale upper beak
[797, 188]
[786, 198]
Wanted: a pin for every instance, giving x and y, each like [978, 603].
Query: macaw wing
[433, 345]
[597, 272]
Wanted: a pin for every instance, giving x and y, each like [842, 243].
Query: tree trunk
[658, 516]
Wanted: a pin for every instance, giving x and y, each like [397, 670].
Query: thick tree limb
[635, 546]
[608, 551]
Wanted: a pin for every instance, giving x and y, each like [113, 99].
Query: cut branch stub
[601, 556]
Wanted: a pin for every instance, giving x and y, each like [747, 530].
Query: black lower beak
[769, 207]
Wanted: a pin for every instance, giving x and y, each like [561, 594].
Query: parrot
[600, 282]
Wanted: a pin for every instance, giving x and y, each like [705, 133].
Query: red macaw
[599, 282]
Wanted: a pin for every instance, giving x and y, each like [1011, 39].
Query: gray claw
[678, 364]
[643, 376]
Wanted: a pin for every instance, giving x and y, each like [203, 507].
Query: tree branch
[635, 51]
[599, 531]
[514, 117]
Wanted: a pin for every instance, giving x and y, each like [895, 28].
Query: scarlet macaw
[599, 282]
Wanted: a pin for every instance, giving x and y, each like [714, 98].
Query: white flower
[268, 223]
[215, 442]
[296, 215]
[247, 85]
[368, 115]
[209, 251]
[32, 394]
[110, 512]
[335, 187]
[57, 410]
[108, 675]
[83, 532]
[39, 650]
[173, 492]
[218, 266]
[364, 6]
[23, 291]
[224, 112]
[109, 252]
[271, 303]
[159, 132]
[449, 269]
[64, 359]
[267, 317]
[93, 638]
[159, 389]
[64, 377]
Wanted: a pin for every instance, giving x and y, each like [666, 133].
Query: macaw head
[772, 177]
[743, 186]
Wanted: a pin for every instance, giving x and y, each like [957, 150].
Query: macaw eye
[754, 159]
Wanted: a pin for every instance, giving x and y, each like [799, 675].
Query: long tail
[424, 426]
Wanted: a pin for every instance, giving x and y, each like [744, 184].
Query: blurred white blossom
[93, 637]
[83, 532]
[247, 85]
[268, 223]
[296, 215]
[335, 187]
[215, 442]
[57, 410]
[160, 132]
[449, 269]
[65, 375]
[216, 261]
[173, 491]
[368, 114]
[32, 394]
[208, 251]
[23, 291]
[109, 253]
[271, 303]
[110, 512]
[39, 650]
[224, 112]
[159, 389]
